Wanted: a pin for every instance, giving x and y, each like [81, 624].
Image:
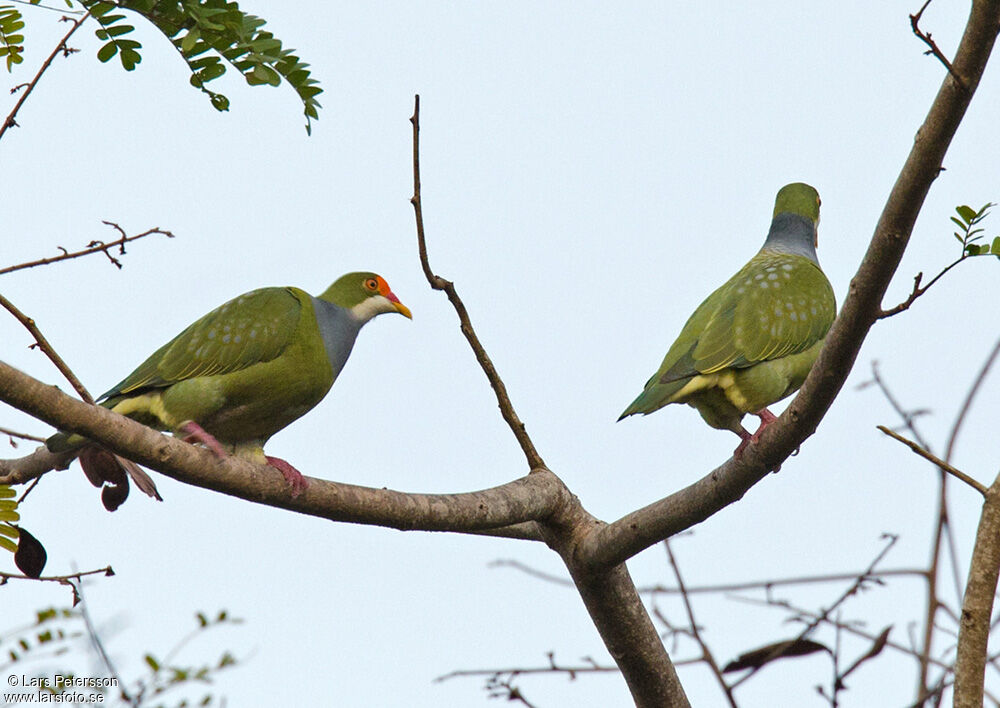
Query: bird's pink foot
[296, 481]
[194, 433]
[766, 418]
[745, 439]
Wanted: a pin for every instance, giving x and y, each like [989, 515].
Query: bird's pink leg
[745, 439]
[766, 418]
[194, 433]
[294, 478]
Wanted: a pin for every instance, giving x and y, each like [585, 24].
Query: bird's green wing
[252, 328]
[778, 304]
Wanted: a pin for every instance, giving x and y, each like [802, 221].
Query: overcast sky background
[590, 173]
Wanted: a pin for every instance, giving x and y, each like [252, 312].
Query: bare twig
[941, 464]
[14, 434]
[438, 283]
[849, 627]
[92, 247]
[98, 645]
[925, 37]
[61, 47]
[918, 290]
[47, 348]
[876, 648]
[824, 615]
[943, 539]
[706, 652]
[722, 587]
[553, 668]
[34, 3]
[72, 580]
[967, 403]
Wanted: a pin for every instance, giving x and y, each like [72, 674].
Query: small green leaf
[151, 662]
[219, 102]
[995, 248]
[190, 39]
[6, 491]
[262, 74]
[967, 213]
[105, 53]
[8, 544]
[130, 58]
[9, 531]
[100, 9]
[119, 30]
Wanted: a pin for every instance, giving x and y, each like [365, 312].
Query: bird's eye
[371, 284]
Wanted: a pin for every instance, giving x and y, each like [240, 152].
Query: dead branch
[11, 121]
[92, 248]
[925, 37]
[931, 457]
[448, 287]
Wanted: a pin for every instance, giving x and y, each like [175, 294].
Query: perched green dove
[754, 340]
[244, 371]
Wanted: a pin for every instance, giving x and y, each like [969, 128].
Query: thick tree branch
[609, 594]
[639, 530]
[534, 497]
[977, 606]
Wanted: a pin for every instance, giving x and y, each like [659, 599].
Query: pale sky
[590, 173]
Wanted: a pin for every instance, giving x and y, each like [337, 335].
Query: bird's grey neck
[791, 233]
[339, 328]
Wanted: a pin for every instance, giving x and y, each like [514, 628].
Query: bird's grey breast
[338, 329]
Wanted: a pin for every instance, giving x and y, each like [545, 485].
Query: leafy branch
[11, 41]
[967, 219]
[208, 34]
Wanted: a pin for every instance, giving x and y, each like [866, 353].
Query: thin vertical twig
[438, 283]
[706, 653]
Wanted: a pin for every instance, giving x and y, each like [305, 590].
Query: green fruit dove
[753, 341]
[242, 372]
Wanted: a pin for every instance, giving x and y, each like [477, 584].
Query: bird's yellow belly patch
[147, 409]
